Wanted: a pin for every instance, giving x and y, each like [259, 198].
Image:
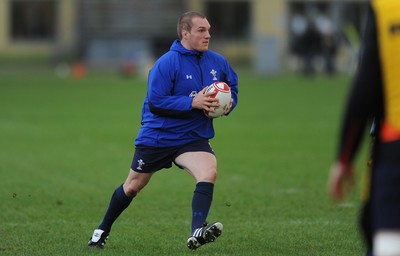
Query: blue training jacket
[167, 115]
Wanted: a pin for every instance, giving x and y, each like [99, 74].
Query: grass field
[65, 145]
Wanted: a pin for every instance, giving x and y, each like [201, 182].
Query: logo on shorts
[140, 164]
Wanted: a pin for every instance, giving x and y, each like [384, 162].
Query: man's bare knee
[130, 190]
[135, 182]
[206, 176]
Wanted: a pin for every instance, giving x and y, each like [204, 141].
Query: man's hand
[228, 109]
[341, 180]
[204, 101]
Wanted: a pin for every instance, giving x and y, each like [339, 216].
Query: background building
[111, 33]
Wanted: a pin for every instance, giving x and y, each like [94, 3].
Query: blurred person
[298, 26]
[375, 95]
[310, 46]
[328, 43]
[175, 129]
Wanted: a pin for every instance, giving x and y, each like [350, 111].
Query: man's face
[199, 37]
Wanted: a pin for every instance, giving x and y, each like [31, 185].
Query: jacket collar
[178, 47]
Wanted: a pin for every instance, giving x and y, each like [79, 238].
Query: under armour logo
[140, 164]
[189, 77]
[193, 94]
[197, 214]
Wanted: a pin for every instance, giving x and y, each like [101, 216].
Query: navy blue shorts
[151, 159]
[385, 198]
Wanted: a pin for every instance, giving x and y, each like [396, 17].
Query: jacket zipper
[199, 55]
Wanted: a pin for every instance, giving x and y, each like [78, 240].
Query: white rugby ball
[223, 93]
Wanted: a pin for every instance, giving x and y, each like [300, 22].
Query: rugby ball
[223, 93]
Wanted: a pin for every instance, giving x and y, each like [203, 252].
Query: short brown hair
[185, 22]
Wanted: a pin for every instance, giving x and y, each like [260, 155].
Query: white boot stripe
[197, 232]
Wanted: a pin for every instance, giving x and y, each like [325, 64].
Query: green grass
[66, 144]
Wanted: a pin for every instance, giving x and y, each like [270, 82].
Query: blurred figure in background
[375, 94]
[328, 43]
[311, 46]
[298, 26]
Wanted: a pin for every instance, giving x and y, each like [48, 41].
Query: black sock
[118, 203]
[201, 203]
